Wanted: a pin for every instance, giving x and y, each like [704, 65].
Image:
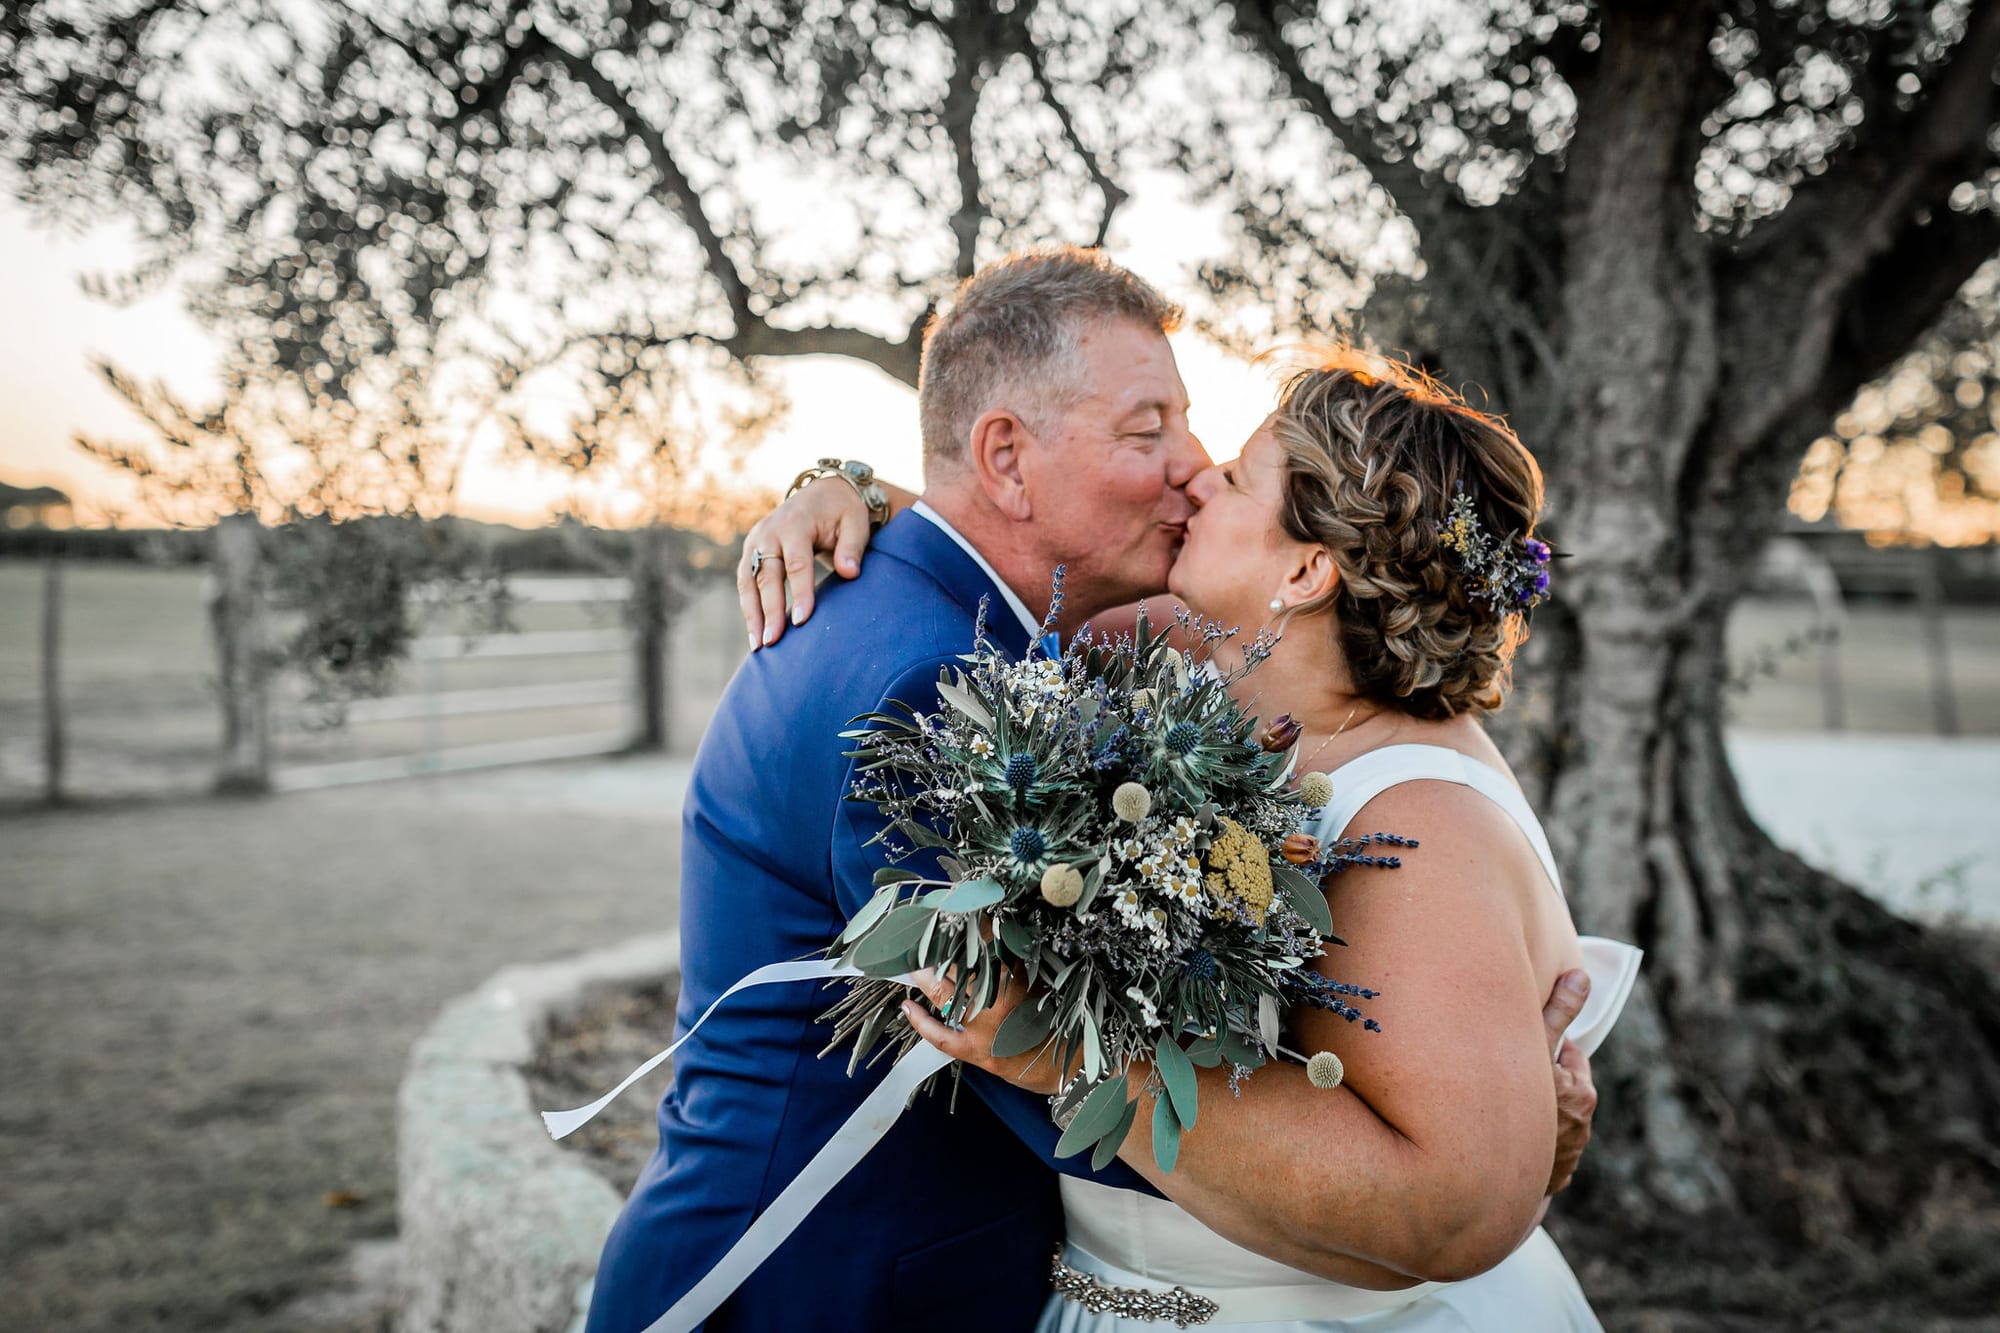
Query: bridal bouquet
[1105, 821]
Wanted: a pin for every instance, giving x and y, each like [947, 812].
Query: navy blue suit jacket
[953, 1211]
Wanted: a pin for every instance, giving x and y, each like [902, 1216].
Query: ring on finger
[757, 559]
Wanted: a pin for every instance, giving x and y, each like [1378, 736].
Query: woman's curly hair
[1374, 452]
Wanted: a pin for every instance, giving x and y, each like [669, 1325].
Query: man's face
[1108, 480]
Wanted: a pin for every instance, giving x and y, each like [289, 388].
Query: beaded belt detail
[1180, 1305]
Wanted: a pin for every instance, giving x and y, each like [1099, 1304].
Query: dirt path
[208, 1006]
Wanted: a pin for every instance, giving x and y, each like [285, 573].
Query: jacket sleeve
[855, 862]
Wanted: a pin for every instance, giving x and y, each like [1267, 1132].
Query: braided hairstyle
[1374, 452]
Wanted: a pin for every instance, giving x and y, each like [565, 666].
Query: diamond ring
[757, 559]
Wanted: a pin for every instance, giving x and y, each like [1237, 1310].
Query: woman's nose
[1202, 485]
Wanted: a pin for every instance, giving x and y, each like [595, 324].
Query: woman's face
[1237, 556]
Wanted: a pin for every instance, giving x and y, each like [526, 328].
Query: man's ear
[1313, 575]
[998, 439]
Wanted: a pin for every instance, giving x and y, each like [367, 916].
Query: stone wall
[501, 1227]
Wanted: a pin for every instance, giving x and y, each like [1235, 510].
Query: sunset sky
[49, 393]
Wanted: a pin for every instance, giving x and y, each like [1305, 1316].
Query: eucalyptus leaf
[871, 912]
[1108, 1146]
[1166, 1134]
[1177, 1072]
[1024, 1030]
[1306, 897]
[970, 895]
[1020, 941]
[1267, 1020]
[1204, 1051]
[1100, 1113]
[894, 875]
[1093, 1049]
[1093, 880]
[1238, 1051]
[894, 939]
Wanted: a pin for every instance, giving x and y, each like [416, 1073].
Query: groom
[1055, 432]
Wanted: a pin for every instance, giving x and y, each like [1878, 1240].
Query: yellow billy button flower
[1315, 789]
[1324, 1071]
[1131, 802]
[1062, 885]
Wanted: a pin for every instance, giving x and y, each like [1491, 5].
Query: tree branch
[1901, 295]
[1262, 23]
[754, 335]
[1848, 216]
[1114, 197]
[961, 105]
[681, 194]
[1847, 277]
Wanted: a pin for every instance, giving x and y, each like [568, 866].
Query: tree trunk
[236, 614]
[1773, 1052]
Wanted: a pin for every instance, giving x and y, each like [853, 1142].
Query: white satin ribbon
[561, 1124]
[850, 1143]
[840, 1154]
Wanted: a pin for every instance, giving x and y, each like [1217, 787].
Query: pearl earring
[1277, 603]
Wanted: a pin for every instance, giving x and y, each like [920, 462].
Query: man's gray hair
[1012, 337]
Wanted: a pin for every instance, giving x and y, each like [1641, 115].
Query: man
[1055, 433]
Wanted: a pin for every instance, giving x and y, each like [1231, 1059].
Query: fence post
[652, 610]
[236, 614]
[1931, 607]
[55, 743]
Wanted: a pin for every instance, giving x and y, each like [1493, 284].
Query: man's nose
[1188, 462]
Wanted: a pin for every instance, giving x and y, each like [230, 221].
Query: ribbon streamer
[863, 1130]
[561, 1124]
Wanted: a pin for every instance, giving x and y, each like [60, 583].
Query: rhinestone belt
[1180, 1305]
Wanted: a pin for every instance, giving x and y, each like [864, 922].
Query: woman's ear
[1313, 576]
[998, 438]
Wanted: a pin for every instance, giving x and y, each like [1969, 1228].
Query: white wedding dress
[1148, 1246]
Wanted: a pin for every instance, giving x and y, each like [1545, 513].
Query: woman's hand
[826, 517]
[972, 1042]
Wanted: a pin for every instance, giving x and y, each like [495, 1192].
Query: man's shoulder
[893, 617]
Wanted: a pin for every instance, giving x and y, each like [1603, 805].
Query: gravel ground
[209, 1006]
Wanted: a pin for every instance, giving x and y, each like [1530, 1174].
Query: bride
[1384, 530]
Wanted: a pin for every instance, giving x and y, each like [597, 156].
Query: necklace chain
[1336, 734]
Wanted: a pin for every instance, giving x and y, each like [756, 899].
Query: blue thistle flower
[1028, 844]
[1183, 738]
[1200, 965]
[1020, 771]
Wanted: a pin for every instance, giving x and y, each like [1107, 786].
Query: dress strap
[1362, 779]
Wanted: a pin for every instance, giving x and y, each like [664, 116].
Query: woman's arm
[1432, 1160]
[826, 517]
[1433, 1156]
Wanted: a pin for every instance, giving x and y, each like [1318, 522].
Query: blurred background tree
[1678, 241]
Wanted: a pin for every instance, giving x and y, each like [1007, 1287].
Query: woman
[1384, 530]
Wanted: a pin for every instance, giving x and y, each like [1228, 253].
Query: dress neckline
[1369, 774]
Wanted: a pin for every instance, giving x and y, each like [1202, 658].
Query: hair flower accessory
[1510, 576]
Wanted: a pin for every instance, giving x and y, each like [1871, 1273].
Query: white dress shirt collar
[1029, 620]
